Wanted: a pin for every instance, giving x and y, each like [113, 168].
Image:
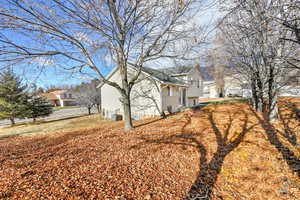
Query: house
[234, 86]
[156, 91]
[209, 89]
[229, 84]
[168, 89]
[193, 78]
[60, 98]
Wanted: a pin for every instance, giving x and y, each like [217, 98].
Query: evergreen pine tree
[13, 97]
[38, 107]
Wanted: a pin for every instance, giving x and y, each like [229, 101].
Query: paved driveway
[63, 113]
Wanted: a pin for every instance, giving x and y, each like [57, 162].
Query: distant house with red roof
[60, 98]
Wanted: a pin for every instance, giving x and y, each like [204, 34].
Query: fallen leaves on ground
[222, 151]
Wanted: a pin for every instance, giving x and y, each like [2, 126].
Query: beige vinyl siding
[140, 107]
[194, 80]
[110, 97]
[146, 98]
[173, 100]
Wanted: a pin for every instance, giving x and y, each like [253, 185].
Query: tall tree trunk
[273, 112]
[99, 108]
[125, 92]
[272, 105]
[260, 93]
[161, 112]
[12, 121]
[260, 101]
[127, 113]
[254, 95]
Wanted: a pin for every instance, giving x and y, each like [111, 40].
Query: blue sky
[51, 75]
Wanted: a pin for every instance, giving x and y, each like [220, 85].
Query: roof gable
[49, 96]
[205, 71]
[177, 70]
[157, 74]
[162, 76]
[58, 91]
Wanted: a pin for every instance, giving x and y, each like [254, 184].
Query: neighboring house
[169, 89]
[52, 98]
[234, 87]
[290, 91]
[230, 84]
[60, 98]
[210, 89]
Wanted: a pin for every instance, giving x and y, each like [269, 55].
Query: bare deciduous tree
[79, 35]
[289, 17]
[143, 98]
[88, 95]
[258, 51]
[217, 59]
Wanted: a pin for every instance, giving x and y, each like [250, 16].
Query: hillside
[227, 151]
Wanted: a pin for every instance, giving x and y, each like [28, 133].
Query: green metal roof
[162, 76]
[177, 70]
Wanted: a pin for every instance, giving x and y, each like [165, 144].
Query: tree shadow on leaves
[149, 122]
[202, 187]
[208, 174]
[287, 154]
[288, 120]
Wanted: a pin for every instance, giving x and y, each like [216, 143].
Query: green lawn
[66, 107]
[53, 125]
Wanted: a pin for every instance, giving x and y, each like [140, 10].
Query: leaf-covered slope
[224, 151]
